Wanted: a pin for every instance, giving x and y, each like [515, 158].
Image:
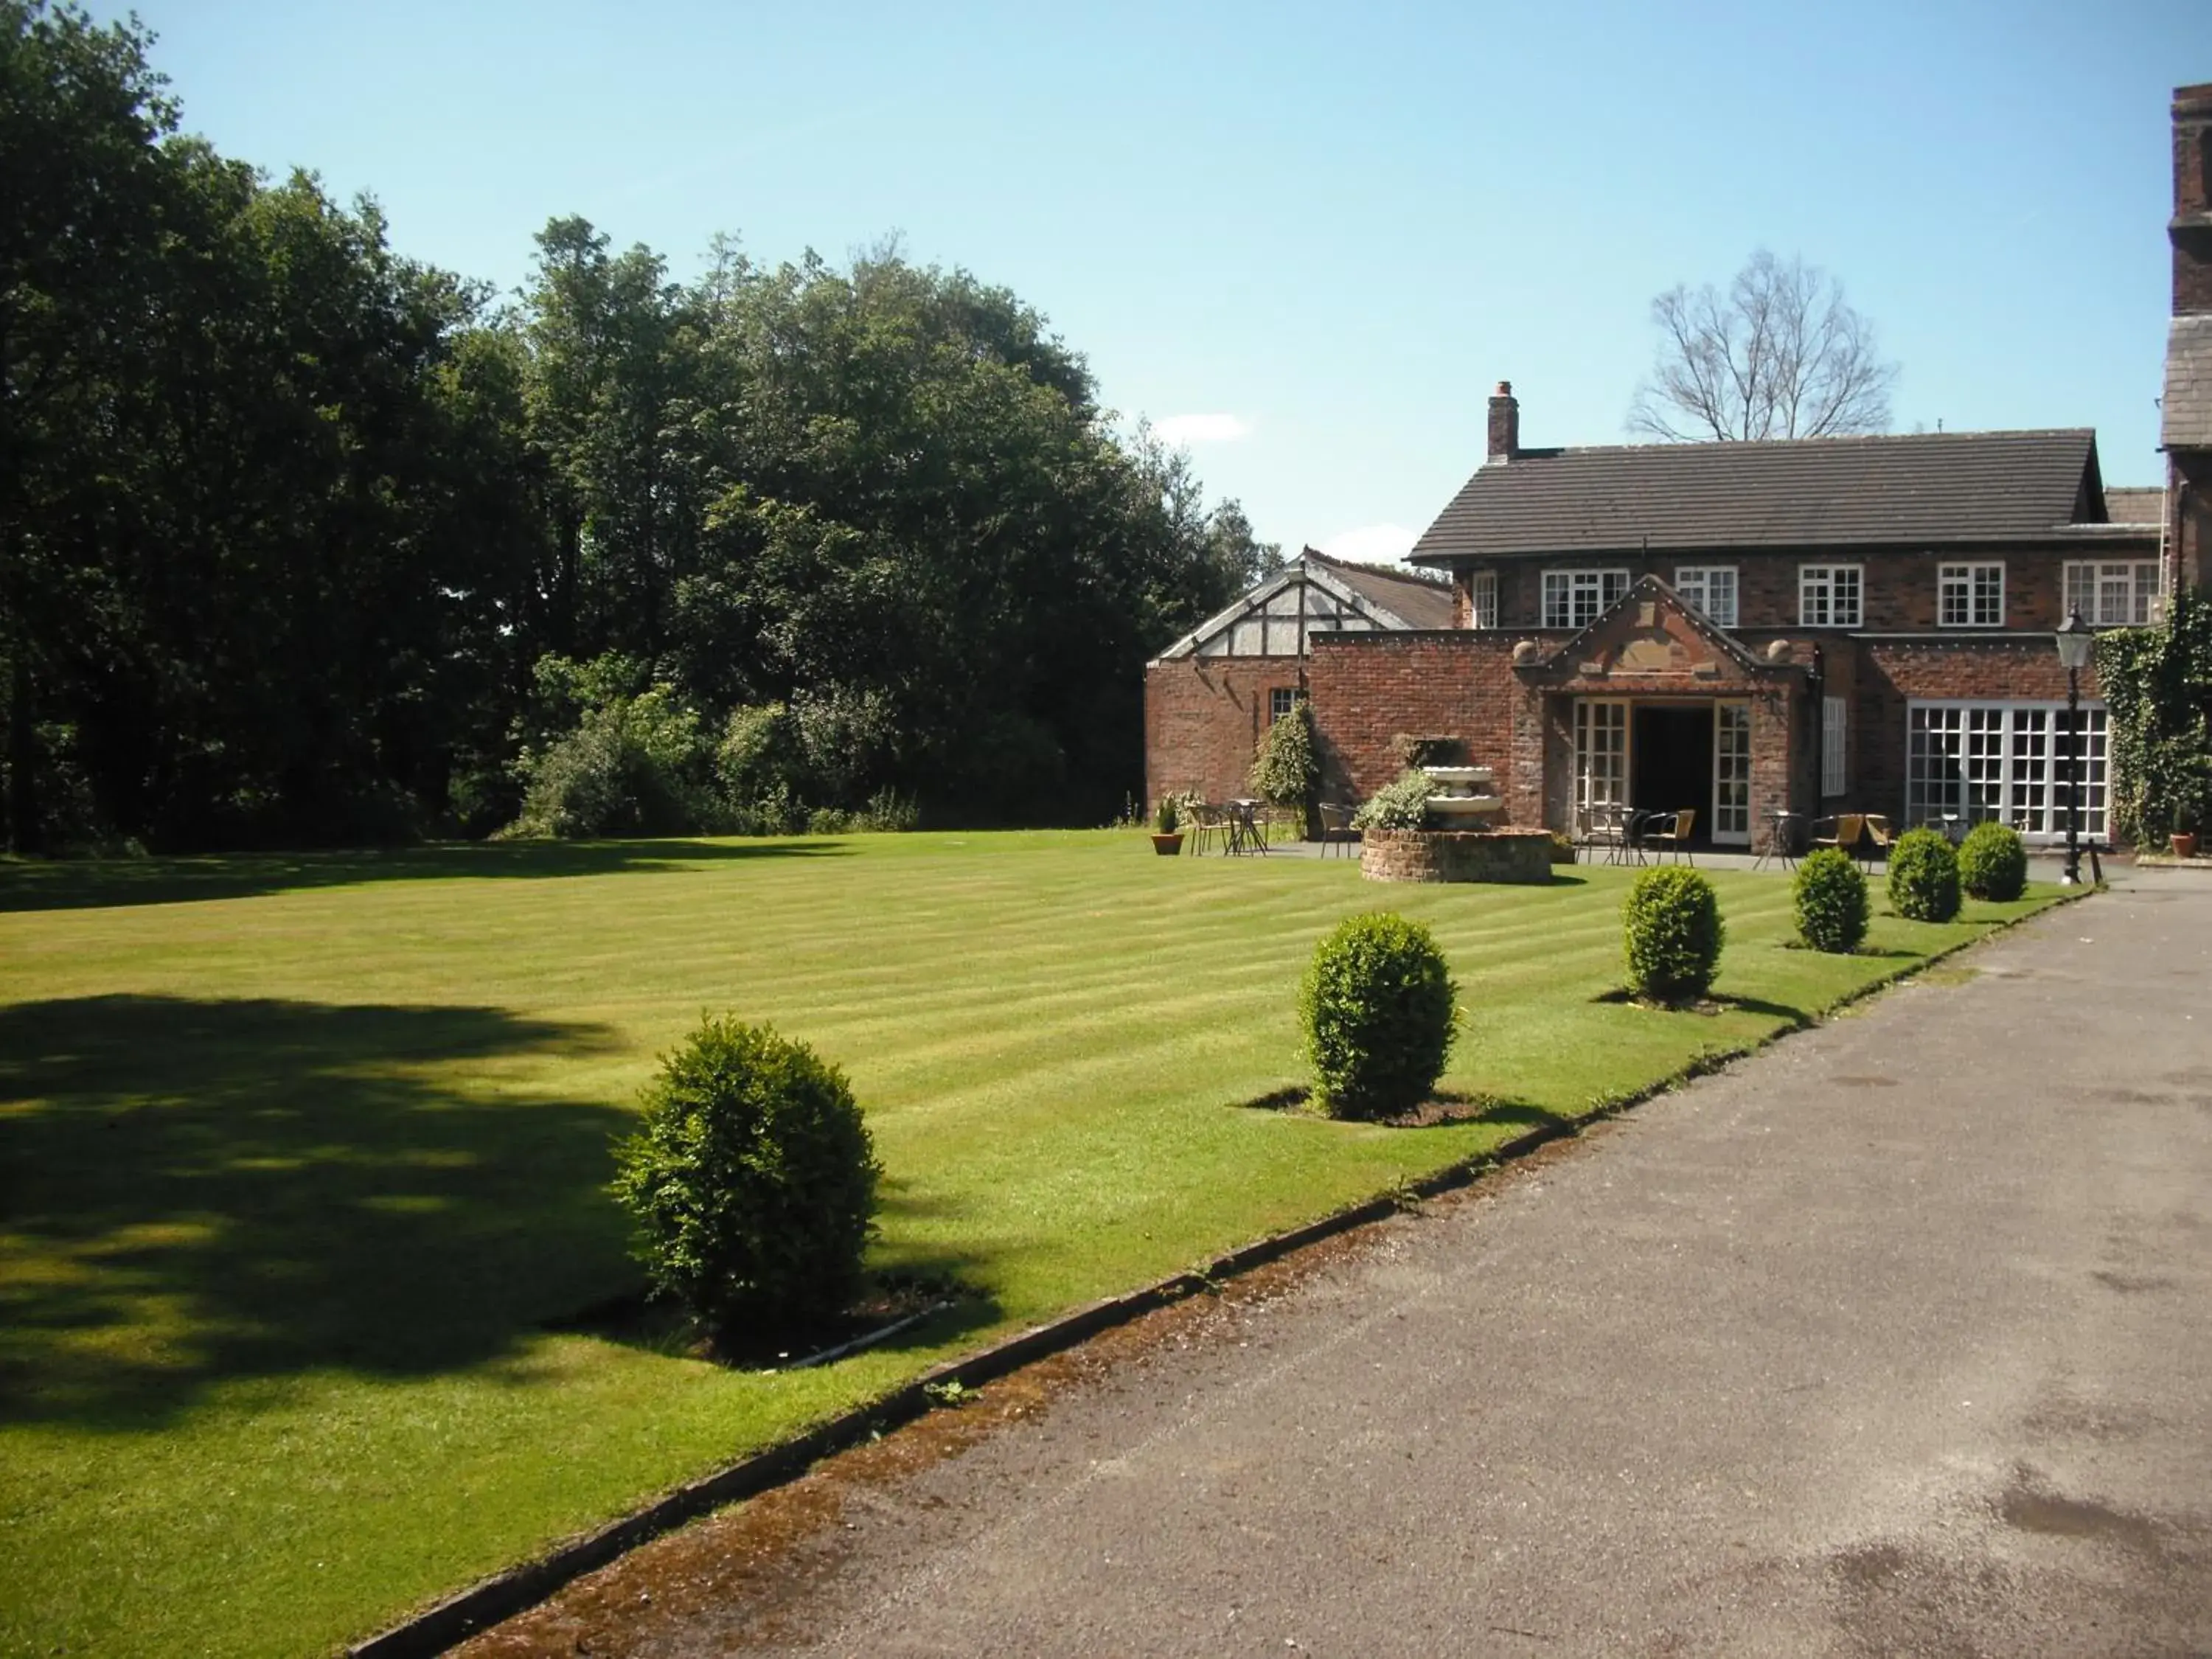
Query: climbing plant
[1287, 771]
[2157, 684]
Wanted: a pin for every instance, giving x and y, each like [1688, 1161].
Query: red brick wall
[1901, 589]
[1203, 719]
[2192, 246]
[1890, 673]
[1369, 688]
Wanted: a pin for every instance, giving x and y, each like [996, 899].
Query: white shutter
[1832, 745]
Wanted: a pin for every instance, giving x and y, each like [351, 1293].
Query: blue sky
[1309, 238]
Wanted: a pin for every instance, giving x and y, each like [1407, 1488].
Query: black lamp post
[2075, 637]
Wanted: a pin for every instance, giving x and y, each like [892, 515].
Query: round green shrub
[1923, 876]
[1831, 896]
[751, 1179]
[1377, 1008]
[1993, 863]
[1674, 935]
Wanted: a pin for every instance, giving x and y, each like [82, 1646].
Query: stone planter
[1515, 856]
[1168, 845]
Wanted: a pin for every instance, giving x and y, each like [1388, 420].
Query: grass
[303, 1162]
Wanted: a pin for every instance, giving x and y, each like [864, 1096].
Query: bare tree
[1779, 355]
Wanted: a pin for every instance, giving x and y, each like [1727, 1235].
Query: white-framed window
[1482, 599]
[1711, 588]
[1835, 711]
[1573, 598]
[1974, 762]
[1281, 699]
[2112, 593]
[1831, 596]
[1970, 595]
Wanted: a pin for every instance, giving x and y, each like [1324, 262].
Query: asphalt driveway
[1896, 1339]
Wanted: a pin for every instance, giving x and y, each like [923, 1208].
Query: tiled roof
[1416, 597]
[2187, 406]
[1808, 493]
[2146, 505]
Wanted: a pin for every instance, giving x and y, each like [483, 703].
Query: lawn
[303, 1162]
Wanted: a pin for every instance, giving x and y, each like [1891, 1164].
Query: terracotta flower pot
[1168, 845]
[2184, 844]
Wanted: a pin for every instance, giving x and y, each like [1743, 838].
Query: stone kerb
[1494, 855]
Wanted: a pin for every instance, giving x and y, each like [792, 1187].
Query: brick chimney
[2191, 228]
[1505, 421]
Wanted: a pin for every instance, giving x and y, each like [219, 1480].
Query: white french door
[1732, 774]
[1601, 754]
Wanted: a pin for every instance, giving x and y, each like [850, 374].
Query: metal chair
[1208, 823]
[1336, 828]
[1676, 837]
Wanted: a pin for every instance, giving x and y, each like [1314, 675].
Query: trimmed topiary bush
[1674, 935]
[1923, 876]
[1376, 1009]
[1831, 896]
[1993, 863]
[752, 1180]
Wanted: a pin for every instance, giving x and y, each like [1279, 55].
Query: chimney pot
[1504, 423]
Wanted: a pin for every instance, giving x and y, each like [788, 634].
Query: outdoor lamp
[2074, 638]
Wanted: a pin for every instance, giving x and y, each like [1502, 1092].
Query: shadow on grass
[99, 884]
[922, 1298]
[1445, 1107]
[193, 1192]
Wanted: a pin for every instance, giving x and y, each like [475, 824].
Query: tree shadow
[100, 883]
[196, 1191]
[1781, 1010]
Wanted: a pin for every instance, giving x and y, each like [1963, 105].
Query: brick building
[1211, 695]
[2186, 409]
[1818, 626]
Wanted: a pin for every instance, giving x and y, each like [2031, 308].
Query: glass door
[1601, 755]
[1732, 774]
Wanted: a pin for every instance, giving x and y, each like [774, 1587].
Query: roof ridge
[1403, 573]
[1741, 445]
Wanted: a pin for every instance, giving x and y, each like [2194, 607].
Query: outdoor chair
[1336, 829]
[1842, 831]
[1208, 823]
[1676, 837]
[1878, 838]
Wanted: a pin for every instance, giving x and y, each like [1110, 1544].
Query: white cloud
[1372, 543]
[1201, 428]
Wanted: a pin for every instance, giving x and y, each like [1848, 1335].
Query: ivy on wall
[2157, 683]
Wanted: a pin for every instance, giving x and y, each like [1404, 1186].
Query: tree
[1779, 355]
